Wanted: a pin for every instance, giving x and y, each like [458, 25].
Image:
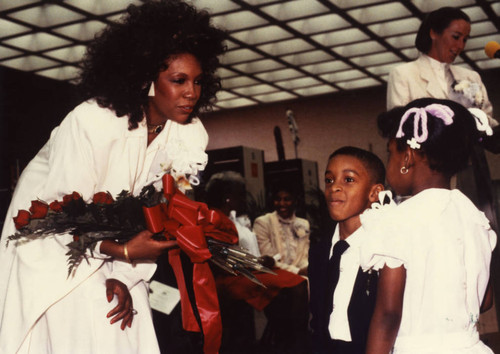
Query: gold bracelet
[125, 253]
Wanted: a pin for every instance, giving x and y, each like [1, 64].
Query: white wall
[325, 124]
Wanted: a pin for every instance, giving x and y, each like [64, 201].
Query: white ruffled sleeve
[386, 242]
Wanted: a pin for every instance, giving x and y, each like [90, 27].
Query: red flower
[22, 218]
[103, 198]
[38, 209]
[56, 206]
[68, 198]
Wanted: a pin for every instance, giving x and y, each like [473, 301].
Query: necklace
[156, 129]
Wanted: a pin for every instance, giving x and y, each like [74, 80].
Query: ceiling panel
[277, 49]
[289, 10]
[322, 23]
[9, 53]
[276, 75]
[46, 15]
[377, 13]
[315, 90]
[83, 31]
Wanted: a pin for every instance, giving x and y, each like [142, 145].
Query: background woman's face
[446, 46]
[177, 89]
[284, 204]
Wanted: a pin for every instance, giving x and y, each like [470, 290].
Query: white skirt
[78, 324]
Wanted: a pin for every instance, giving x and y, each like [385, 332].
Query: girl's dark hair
[437, 21]
[372, 163]
[128, 55]
[447, 147]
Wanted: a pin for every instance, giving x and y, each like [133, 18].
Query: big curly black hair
[128, 55]
[448, 147]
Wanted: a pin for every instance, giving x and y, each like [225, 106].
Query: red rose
[22, 219]
[76, 238]
[68, 198]
[38, 209]
[56, 206]
[103, 198]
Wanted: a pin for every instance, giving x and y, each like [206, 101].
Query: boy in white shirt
[342, 295]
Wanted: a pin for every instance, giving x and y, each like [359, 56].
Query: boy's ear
[432, 34]
[374, 191]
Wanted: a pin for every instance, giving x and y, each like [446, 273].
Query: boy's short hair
[374, 166]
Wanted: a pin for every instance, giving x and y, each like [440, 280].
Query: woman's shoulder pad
[91, 112]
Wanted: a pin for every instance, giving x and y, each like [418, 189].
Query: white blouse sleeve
[386, 241]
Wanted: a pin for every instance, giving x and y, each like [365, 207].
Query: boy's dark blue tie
[334, 272]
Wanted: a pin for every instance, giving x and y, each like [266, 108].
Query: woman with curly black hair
[127, 57]
[144, 81]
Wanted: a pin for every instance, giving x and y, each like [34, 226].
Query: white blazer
[416, 79]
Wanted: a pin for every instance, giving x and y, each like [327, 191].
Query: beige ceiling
[278, 50]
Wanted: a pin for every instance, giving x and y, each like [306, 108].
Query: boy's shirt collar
[354, 240]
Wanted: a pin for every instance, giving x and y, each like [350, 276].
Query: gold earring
[404, 170]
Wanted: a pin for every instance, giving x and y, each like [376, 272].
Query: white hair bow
[420, 132]
[482, 123]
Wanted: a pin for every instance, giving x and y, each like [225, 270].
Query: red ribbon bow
[190, 223]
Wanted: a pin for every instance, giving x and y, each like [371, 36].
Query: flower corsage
[300, 228]
[471, 91]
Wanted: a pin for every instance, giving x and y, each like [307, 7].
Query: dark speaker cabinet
[249, 162]
[301, 175]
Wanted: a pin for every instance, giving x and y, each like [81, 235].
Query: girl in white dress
[434, 249]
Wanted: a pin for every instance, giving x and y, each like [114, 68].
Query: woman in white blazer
[440, 39]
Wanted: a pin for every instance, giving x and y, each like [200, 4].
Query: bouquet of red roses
[122, 218]
[103, 218]
[203, 234]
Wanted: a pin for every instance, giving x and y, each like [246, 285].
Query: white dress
[246, 238]
[445, 244]
[41, 309]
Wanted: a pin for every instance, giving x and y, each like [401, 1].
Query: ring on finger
[134, 311]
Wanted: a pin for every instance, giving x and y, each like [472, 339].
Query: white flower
[471, 91]
[461, 86]
[300, 228]
[183, 162]
[478, 99]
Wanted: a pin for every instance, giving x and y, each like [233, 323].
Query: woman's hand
[140, 248]
[124, 310]
[143, 247]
